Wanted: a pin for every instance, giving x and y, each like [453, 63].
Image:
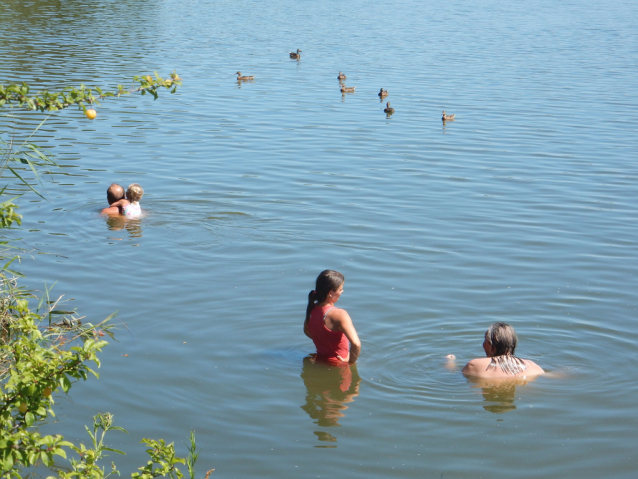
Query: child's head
[134, 192]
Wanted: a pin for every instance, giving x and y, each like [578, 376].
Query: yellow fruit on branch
[23, 407]
[91, 114]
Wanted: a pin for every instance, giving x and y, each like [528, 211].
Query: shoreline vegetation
[45, 348]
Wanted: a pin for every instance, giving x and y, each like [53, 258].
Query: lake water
[523, 210]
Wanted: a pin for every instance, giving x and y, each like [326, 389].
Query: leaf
[7, 464]
[65, 383]
[113, 450]
[23, 181]
[29, 418]
[118, 428]
[60, 452]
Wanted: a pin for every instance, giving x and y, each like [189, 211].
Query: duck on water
[445, 117]
[243, 78]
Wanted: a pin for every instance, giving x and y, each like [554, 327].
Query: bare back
[479, 368]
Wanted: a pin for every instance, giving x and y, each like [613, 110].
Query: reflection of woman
[498, 393]
[329, 388]
[499, 345]
[330, 328]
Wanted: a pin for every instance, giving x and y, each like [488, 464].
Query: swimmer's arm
[120, 204]
[342, 320]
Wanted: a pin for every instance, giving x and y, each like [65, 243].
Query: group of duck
[348, 89]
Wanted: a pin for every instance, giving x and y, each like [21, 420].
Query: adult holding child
[130, 207]
[329, 327]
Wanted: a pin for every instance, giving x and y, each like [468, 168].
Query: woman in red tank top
[330, 328]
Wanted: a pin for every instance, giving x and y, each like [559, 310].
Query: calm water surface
[523, 210]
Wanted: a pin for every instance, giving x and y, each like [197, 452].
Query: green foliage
[15, 158]
[20, 95]
[35, 360]
[7, 213]
[192, 456]
[162, 463]
[38, 357]
[47, 349]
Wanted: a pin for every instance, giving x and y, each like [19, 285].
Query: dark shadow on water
[328, 389]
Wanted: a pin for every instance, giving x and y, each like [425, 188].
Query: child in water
[130, 207]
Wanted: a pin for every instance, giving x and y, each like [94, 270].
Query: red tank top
[329, 344]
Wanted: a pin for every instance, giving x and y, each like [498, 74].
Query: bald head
[114, 193]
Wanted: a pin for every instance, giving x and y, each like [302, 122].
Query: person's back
[330, 344]
[483, 368]
[499, 346]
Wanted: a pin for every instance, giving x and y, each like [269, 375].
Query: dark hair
[114, 193]
[503, 339]
[327, 281]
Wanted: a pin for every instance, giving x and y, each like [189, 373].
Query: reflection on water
[120, 222]
[328, 389]
[498, 393]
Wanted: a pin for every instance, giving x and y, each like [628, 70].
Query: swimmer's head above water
[134, 192]
[114, 193]
[500, 344]
[500, 339]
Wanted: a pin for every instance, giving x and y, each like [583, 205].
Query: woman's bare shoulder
[338, 314]
[532, 368]
[476, 366]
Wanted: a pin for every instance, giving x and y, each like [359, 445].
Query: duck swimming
[240, 78]
[388, 109]
[347, 89]
[445, 117]
[296, 55]
[341, 76]
[383, 93]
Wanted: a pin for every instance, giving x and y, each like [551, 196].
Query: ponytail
[327, 281]
[312, 299]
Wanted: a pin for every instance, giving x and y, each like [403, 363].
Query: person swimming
[130, 207]
[330, 328]
[499, 345]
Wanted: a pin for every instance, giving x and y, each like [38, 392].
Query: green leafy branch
[46, 101]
